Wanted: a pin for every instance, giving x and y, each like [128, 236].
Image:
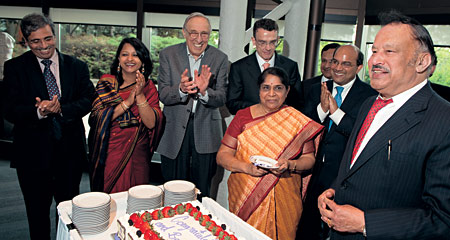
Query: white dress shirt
[261, 61]
[385, 113]
[54, 68]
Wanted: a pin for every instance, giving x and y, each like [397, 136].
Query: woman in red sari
[125, 121]
[269, 199]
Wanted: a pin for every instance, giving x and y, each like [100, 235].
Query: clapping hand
[202, 80]
[47, 107]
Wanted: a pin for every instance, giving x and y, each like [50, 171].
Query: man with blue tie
[335, 104]
[393, 181]
[47, 94]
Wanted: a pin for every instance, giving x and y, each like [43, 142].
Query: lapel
[403, 120]
[253, 68]
[64, 77]
[184, 59]
[36, 76]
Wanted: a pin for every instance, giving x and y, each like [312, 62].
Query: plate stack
[178, 191]
[90, 212]
[144, 197]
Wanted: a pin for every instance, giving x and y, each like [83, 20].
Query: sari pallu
[108, 97]
[272, 204]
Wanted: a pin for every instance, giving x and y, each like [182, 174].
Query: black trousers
[190, 165]
[39, 187]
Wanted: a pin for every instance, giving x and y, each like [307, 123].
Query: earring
[118, 68]
[143, 69]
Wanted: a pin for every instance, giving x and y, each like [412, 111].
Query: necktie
[338, 98]
[377, 105]
[266, 65]
[50, 80]
[52, 89]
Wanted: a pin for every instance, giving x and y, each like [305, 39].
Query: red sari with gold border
[121, 149]
[271, 204]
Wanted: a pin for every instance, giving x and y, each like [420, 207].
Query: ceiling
[426, 11]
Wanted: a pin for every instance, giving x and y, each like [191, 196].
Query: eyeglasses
[335, 62]
[195, 34]
[273, 43]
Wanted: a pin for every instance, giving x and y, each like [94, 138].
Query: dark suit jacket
[306, 87]
[207, 119]
[442, 90]
[406, 195]
[33, 142]
[334, 141]
[243, 89]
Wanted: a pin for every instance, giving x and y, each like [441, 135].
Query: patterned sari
[272, 204]
[120, 150]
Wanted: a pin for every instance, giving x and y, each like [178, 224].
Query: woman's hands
[255, 171]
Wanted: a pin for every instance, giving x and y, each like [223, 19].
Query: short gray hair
[193, 15]
[33, 22]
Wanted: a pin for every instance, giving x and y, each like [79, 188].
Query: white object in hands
[264, 162]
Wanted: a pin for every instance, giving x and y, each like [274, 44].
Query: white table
[118, 208]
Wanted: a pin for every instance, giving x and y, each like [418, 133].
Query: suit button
[188, 110]
[184, 127]
[344, 186]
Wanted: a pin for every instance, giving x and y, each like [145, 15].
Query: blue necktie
[50, 80]
[52, 89]
[338, 98]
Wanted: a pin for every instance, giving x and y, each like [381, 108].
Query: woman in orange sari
[125, 121]
[269, 199]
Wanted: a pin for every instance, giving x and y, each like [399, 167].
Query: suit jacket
[404, 194]
[306, 87]
[243, 89]
[33, 143]
[207, 119]
[442, 90]
[334, 140]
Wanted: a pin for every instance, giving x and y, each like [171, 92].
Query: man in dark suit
[326, 55]
[193, 128]
[243, 89]
[47, 94]
[322, 106]
[393, 182]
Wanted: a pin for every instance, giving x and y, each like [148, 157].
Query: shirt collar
[261, 61]
[53, 58]
[401, 98]
[345, 86]
[191, 56]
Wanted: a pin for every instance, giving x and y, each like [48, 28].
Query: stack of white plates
[90, 212]
[143, 197]
[178, 191]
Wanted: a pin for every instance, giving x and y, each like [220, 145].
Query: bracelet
[142, 104]
[124, 106]
[295, 167]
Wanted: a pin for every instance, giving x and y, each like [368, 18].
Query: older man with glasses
[243, 90]
[192, 85]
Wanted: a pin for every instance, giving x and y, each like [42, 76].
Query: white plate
[91, 200]
[179, 186]
[263, 162]
[144, 191]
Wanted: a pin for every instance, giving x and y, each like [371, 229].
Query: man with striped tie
[393, 181]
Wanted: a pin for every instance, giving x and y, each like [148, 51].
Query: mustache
[379, 67]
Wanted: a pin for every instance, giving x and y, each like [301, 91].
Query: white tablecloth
[118, 208]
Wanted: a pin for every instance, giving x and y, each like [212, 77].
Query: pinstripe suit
[207, 121]
[408, 195]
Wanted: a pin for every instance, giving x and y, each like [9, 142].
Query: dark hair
[329, 46]
[266, 24]
[419, 32]
[33, 22]
[143, 55]
[276, 71]
[359, 59]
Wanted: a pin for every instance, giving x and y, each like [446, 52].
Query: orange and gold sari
[272, 204]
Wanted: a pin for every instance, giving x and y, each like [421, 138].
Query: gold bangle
[142, 104]
[124, 106]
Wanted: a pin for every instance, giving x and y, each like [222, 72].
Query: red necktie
[377, 105]
[266, 65]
